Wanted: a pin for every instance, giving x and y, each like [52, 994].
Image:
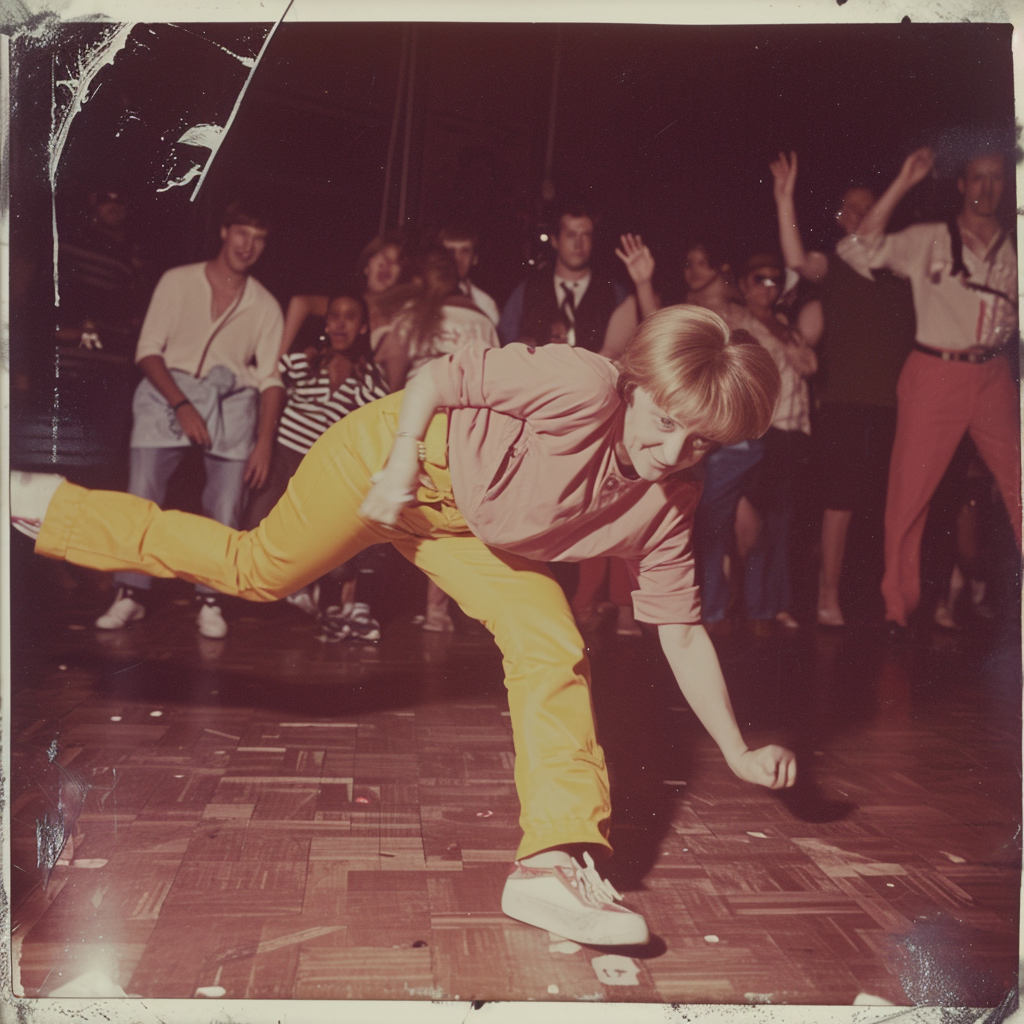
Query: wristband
[421, 448]
[178, 405]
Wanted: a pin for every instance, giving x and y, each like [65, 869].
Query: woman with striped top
[324, 385]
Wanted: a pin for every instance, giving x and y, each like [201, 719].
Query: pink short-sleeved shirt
[531, 451]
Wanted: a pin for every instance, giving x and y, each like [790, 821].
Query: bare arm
[394, 487]
[299, 307]
[810, 322]
[695, 665]
[621, 325]
[156, 372]
[915, 168]
[257, 466]
[811, 265]
[640, 264]
[392, 356]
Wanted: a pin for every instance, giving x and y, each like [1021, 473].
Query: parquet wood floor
[290, 820]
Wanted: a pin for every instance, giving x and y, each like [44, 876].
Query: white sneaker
[361, 623]
[575, 902]
[306, 600]
[125, 609]
[30, 498]
[211, 621]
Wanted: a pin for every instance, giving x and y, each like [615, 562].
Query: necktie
[568, 308]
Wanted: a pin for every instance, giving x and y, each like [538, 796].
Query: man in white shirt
[963, 277]
[572, 293]
[461, 243]
[208, 351]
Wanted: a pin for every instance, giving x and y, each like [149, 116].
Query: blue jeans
[223, 493]
[726, 474]
[767, 583]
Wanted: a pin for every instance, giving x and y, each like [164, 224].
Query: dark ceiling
[669, 129]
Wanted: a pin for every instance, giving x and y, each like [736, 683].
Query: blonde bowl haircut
[717, 381]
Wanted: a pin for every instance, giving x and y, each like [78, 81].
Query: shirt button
[610, 484]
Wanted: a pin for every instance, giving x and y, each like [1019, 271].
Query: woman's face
[697, 271]
[761, 288]
[655, 443]
[382, 269]
[344, 323]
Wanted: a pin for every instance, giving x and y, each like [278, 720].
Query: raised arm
[621, 325]
[915, 168]
[695, 665]
[811, 265]
[299, 307]
[392, 356]
[640, 264]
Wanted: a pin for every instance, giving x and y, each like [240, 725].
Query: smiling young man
[208, 353]
[540, 454]
[570, 291]
[963, 276]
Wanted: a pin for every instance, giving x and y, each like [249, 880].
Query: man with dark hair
[963, 275]
[461, 242]
[585, 301]
[208, 352]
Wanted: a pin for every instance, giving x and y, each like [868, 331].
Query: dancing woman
[538, 455]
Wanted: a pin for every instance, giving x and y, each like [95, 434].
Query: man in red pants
[963, 275]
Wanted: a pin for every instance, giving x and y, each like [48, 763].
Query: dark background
[667, 129]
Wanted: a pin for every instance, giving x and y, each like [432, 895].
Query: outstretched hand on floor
[772, 766]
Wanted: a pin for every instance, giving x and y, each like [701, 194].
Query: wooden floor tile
[305, 821]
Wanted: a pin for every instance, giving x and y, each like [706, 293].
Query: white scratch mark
[55, 420]
[89, 66]
[193, 172]
[247, 61]
[208, 135]
[238, 102]
[226, 735]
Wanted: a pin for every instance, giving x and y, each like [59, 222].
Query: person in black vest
[585, 301]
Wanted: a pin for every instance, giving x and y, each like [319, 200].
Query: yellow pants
[560, 771]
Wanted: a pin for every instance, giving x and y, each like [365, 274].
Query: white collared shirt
[481, 300]
[579, 289]
[180, 327]
[951, 315]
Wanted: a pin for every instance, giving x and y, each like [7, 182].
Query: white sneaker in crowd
[125, 609]
[362, 625]
[211, 620]
[30, 498]
[575, 902]
[307, 599]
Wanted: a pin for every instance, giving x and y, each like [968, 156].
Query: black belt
[959, 357]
